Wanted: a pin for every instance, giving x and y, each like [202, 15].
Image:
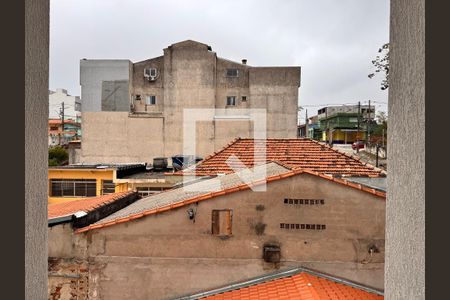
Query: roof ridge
[181, 172]
[280, 275]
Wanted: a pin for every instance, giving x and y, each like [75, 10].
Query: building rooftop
[102, 166]
[298, 283]
[301, 153]
[379, 183]
[69, 208]
[211, 188]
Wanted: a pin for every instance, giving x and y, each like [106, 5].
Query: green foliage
[57, 156]
[381, 64]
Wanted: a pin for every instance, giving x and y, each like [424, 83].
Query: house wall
[134, 255]
[98, 175]
[189, 76]
[113, 137]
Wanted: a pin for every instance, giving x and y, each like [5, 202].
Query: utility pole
[306, 124]
[378, 147]
[61, 112]
[368, 125]
[357, 132]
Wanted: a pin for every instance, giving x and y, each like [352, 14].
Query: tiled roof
[300, 284]
[208, 189]
[301, 153]
[89, 204]
[59, 122]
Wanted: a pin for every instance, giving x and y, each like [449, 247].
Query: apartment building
[134, 111]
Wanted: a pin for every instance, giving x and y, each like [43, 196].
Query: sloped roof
[69, 208]
[211, 188]
[301, 153]
[299, 283]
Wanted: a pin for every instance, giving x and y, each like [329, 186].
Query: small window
[232, 73]
[291, 201]
[151, 100]
[108, 187]
[285, 200]
[302, 226]
[231, 100]
[324, 227]
[137, 98]
[281, 225]
[306, 201]
[322, 201]
[221, 222]
[244, 98]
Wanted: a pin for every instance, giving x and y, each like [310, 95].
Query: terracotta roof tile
[294, 153]
[89, 204]
[301, 285]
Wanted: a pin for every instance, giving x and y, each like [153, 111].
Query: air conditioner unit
[150, 74]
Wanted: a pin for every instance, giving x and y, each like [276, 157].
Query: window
[151, 100]
[148, 191]
[232, 73]
[231, 100]
[221, 222]
[73, 188]
[244, 98]
[137, 98]
[108, 187]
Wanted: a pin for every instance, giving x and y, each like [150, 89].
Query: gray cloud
[333, 41]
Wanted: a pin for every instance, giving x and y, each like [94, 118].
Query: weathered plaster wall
[36, 151]
[139, 256]
[113, 137]
[405, 218]
[68, 279]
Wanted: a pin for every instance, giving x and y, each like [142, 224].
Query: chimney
[244, 61]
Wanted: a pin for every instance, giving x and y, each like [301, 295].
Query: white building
[72, 105]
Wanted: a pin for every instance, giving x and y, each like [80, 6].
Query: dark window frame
[233, 102]
[232, 73]
[73, 188]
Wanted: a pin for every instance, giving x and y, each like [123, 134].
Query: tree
[57, 156]
[381, 64]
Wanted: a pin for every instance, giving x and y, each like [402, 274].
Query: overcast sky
[334, 41]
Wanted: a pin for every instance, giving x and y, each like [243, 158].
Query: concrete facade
[165, 255]
[93, 72]
[405, 219]
[72, 105]
[189, 75]
[36, 149]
